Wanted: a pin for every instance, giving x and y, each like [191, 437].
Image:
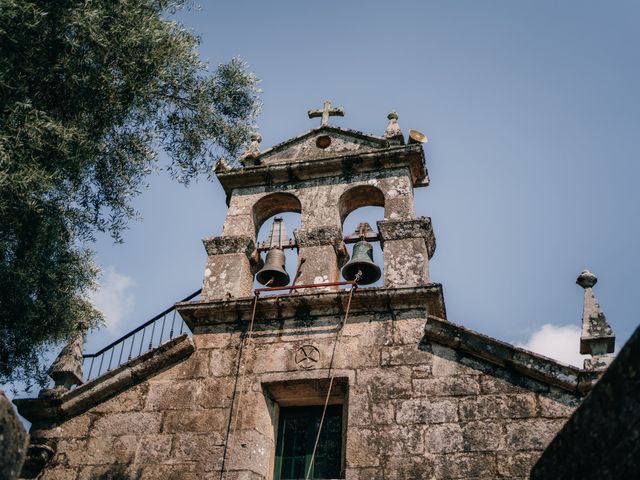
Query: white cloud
[561, 343]
[114, 298]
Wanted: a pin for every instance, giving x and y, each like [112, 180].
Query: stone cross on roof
[326, 112]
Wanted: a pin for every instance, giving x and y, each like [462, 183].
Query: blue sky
[531, 109]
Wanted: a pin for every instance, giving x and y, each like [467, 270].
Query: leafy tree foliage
[89, 91]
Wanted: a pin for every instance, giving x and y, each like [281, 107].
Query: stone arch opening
[273, 204]
[282, 205]
[357, 197]
[370, 215]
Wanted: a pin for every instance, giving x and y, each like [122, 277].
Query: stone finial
[247, 158]
[393, 132]
[221, 166]
[597, 338]
[66, 370]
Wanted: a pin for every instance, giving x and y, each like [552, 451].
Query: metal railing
[138, 341]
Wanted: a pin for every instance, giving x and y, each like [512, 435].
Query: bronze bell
[273, 269]
[362, 261]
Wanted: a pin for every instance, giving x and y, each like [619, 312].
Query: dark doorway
[297, 431]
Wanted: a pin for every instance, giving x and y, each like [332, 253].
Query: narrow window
[297, 431]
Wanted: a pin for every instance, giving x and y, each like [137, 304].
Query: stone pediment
[311, 145]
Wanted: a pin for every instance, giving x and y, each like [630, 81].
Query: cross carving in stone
[326, 112]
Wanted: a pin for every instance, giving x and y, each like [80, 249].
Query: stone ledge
[411, 156]
[108, 385]
[229, 244]
[280, 307]
[546, 370]
[400, 229]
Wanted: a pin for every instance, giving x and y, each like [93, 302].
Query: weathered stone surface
[398, 355]
[507, 406]
[227, 276]
[153, 449]
[382, 413]
[444, 438]
[483, 436]
[516, 465]
[13, 440]
[427, 411]
[196, 421]
[66, 369]
[402, 467]
[361, 450]
[172, 395]
[75, 427]
[557, 405]
[250, 450]
[405, 229]
[465, 465]
[199, 448]
[447, 386]
[101, 450]
[383, 383]
[531, 434]
[229, 244]
[405, 263]
[128, 401]
[173, 471]
[61, 473]
[128, 423]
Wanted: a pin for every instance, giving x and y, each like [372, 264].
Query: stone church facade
[413, 395]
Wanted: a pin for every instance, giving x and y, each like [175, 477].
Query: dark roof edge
[539, 367]
[102, 388]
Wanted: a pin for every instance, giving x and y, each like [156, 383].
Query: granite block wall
[414, 409]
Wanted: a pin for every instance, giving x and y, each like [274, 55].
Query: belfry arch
[357, 197]
[273, 204]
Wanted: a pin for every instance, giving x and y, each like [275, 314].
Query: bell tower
[293, 388]
[323, 174]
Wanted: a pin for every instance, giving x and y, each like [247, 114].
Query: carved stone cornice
[280, 307]
[409, 156]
